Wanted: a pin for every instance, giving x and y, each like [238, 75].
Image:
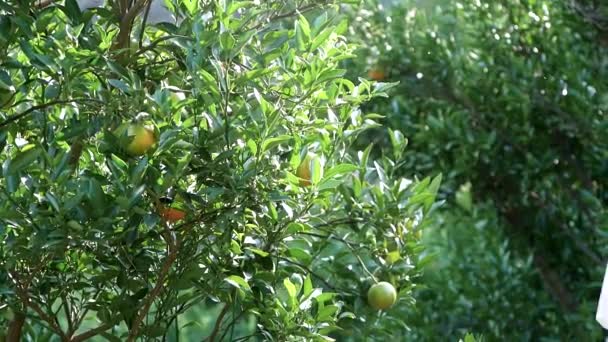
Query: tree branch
[231, 324]
[155, 43]
[554, 284]
[172, 246]
[15, 327]
[218, 323]
[68, 314]
[42, 106]
[126, 23]
[93, 332]
[303, 9]
[44, 3]
[23, 296]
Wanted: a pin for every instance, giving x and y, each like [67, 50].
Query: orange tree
[149, 169]
[508, 99]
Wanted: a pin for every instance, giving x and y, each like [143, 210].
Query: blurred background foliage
[508, 100]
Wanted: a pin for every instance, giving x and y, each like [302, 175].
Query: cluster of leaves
[238, 93]
[511, 97]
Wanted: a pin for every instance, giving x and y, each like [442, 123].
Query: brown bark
[218, 323]
[123, 39]
[93, 332]
[15, 327]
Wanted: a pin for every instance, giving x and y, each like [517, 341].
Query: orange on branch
[304, 170]
[142, 139]
[376, 74]
[171, 214]
[382, 295]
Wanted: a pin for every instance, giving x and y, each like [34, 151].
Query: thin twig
[231, 325]
[23, 296]
[68, 314]
[143, 25]
[83, 313]
[245, 338]
[93, 332]
[296, 11]
[308, 270]
[155, 43]
[334, 237]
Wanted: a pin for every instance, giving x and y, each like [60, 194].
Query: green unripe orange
[382, 295]
[7, 97]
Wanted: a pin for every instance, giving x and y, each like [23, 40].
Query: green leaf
[329, 184]
[95, 195]
[434, 187]
[330, 74]
[300, 254]
[41, 61]
[119, 163]
[302, 33]
[118, 84]
[273, 142]
[253, 147]
[23, 159]
[227, 41]
[325, 296]
[73, 10]
[364, 156]
[53, 201]
[191, 5]
[316, 170]
[139, 171]
[258, 251]
[464, 198]
[307, 285]
[291, 289]
[52, 91]
[327, 313]
[321, 38]
[136, 195]
[238, 282]
[340, 169]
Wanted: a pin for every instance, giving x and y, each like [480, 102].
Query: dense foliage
[150, 170]
[508, 100]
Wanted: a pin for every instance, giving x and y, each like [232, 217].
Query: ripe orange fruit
[143, 138]
[382, 295]
[304, 170]
[376, 74]
[172, 214]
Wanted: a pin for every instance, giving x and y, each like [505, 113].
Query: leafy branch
[32, 109]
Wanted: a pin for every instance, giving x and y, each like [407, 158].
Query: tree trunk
[15, 327]
[553, 283]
